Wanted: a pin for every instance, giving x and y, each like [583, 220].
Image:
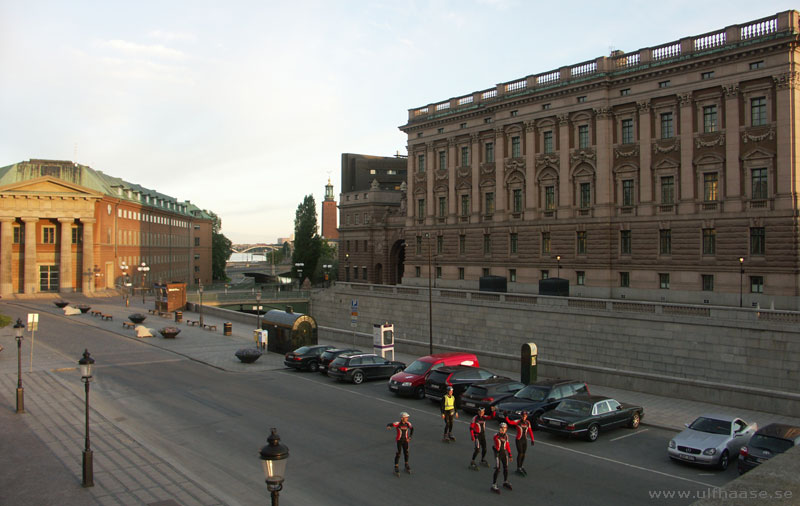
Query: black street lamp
[741, 278]
[18, 328]
[258, 309]
[299, 266]
[86, 364]
[200, 308]
[430, 296]
[347, 267]
[273, 460]
[143, 269]
[124, 268]
[558, 266]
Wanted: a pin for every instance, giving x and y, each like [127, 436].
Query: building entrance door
[48, 278]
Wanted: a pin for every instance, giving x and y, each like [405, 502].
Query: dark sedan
[767, 442]
[305, 357]
[460, 377]
[484, 394]
[363, 366]
[328, 355]
[540, 397]
[587, 415]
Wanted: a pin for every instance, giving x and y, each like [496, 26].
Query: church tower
[329, 230]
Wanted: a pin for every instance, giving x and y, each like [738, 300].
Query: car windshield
[302, 350]
[532, 393]
[574, 407]
[711, 426]
[418, 367]
[476, 391]
[773, 444]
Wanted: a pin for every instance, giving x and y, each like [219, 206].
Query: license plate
[687, 457]
[392, 387]
[469, 404]
[435, 387]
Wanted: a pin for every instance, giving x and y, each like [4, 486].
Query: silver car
[711, 440]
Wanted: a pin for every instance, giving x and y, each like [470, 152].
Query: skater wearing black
[502, 456]
[477, 431]
[524, 431]
[449, 410]
[404, 432]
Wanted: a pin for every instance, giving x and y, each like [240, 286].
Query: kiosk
[383, 339]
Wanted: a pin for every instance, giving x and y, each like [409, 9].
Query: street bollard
[227, 328]
[178, 316]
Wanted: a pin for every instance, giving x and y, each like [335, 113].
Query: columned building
[668, 173]
[67, 228]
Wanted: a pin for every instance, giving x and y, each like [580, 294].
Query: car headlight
[710, 451]
[672, 444]
[406, 383]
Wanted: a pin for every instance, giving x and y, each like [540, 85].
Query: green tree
[220, 249]
[307, 242]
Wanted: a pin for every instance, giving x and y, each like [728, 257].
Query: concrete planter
[170, 332]
[248, 355]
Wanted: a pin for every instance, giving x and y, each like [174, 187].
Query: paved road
[210, 423]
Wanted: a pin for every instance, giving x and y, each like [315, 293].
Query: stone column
[6, 241]
[475, 199]
[65, 265]
[475, 168]
[604, 121]
[31, 281]
[410, 210]
[733, 189]
[645, 183]
[88, 254]
[785, 181]
[687, 179]
[531, 188]
[452, 176]
[430, 170]
[499, 170]
[565, 184]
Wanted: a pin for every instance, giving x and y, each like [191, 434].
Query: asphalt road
[212, 423]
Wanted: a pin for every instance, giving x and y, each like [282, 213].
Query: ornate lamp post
[347, 267]
[124, 268]
[273, 460]
[558, 266]
[18, 328]
[430, 296]
[258, 310]
[200, 309]
[741, 278]
[144, 268]
[86, 364]
[299, 266]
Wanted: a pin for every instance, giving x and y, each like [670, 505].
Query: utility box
[554, 286]
[170, 297]
[383, 339]
[529, 357]
[493, 284]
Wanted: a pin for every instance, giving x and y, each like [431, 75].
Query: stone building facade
[68, 228]
[669, 173]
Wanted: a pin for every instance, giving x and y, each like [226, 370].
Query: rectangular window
[442, 160]
[48, 235]
[548, 142]
[197, 241]
[366, 245]
[465, 205]
[665, 242]
[582, 99]
[668, 190]
[707, 75]
[417, 272]
[77, 237]
[710, 187]
[485, 271]
[580, 278]
[439, 244]
[418, 244]
[545, 242]
[513, 242]
[627, 131]
[624, 279]
[708, 282]
[438, 272]
[462, 244]
[517, 201]
[663, 281]
[710, 119]
[420, 208]
[663, 84]
[489, 207]
[19, 237]
[759, 182]
[460, 273]
[586, 195]
[667, 131]
[581, 242]
[627, 192]
[625, 92]
[442, 207]
[514, 113]
[516, 151]
[757, 65]
[421, 163]
[545, 274]
[512, 275]
[758, 241]
[465, 156]
[625, 242]
[756, 284]
[758, 111]
[462, 125]
[550, 198]
[545, 107]
[487, 120]
[709, 241]
[583, 136]
[440, 130]
[489, 158]
[487, 244]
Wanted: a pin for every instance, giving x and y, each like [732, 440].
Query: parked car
[588, 415]
[487, 393]
[411, 381]
[767, 442]
[711, 440]
[305, 357]
[539, 397]
[460, 377]
[358, 367]
[328, 356]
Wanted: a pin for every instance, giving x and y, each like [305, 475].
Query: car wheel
[593, 432]
[419, 393]
[534, 424]
[634, 423]
[723, 460]
[358, 377]
[313, 366]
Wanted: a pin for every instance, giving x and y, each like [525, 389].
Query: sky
[244, 107]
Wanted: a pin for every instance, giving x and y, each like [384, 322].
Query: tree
[220, 249]
[307, 242]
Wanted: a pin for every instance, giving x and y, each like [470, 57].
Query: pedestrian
[524, 431]
[449, 410]
[404, 432]
[477, 431]
[502, 456]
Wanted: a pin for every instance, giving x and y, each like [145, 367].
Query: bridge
[255, 248]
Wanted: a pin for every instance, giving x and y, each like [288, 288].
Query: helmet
[503, 425]
[404, 415]
[449, 388]
[481, 408]
[524, 413]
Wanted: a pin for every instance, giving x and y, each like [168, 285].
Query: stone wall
[739, 357]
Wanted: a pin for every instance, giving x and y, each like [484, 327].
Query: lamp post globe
[258, 309]
[741, 278]
[299, 266]
[86, 363]
[200, 308]
[274, 457]
[144, 268]
[19, 327]
[558, 266]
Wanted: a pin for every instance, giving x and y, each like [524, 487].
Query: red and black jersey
[404, 430]
[501, 443]
[523, 428]
[478, 425]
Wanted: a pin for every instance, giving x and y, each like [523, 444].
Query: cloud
[156, 50]
[171, 36]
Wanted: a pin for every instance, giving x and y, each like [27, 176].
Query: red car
[412, 380]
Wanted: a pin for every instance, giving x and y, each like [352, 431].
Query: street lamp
[124, 268]
[86, 364]
[327, 268]
[741, 278]
[258, 310]
[200, 308]
[143, 269]
[347, 267]
[558, 266]
[430, 296]
[273, 461]
[299, 266]
[18, 328]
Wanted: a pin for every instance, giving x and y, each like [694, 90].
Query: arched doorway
[397, 258]
[379, 273]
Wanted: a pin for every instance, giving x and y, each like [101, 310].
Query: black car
[358, 367]
[484, 394]
[767, 442]
[305, 357]
[539, 397]
[328, 356]
[460, 377]
[587, 415]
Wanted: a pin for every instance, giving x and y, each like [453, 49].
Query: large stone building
[67, 228]
[668, 173]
